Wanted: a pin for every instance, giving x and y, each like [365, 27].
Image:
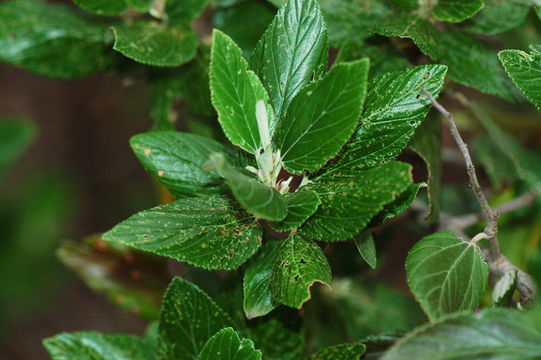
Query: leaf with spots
[446, 274]
[300, 206]
[292, 51]
[257, 280]
[227, 345]
[394, 108]
[456, 10]
[414, 27]
[399, 205]
[525, 71]
[348, 203]
[155, 44]
[89, 345]
[209, 232]
[498, 334]
[176, 159]
[299, 263]
[322, 117]
[189, 318]
[257, 198]
[235, 92]
[51, 39]
[340, 352]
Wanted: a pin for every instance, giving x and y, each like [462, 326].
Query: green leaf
[257, 286]
[298, 265]
[498, 16]
[188, 320]
[503, 291]
[389, 121]
[496, 334]
[300, 206]
[103, 7]
[51, 40]
[180, 12]
[292, 51]
[15, 137]
[89, 345]
[140, 5]
[227, 345]
[399, 205]
[151, 43]
[348, 203]
[206, 232]
[340, 352]
[352, 19]
[364, 242]
[138, 287]
[245, 22]
[427, 143]
[165, 88]
[414, 27]
[456, 10]
[257, 198]
[322, 117]
[176, 159]
[525, 71]
[235, 93]
[277, 340]
[472, 64]
[446, 274]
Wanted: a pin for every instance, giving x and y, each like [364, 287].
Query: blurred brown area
[83, 130]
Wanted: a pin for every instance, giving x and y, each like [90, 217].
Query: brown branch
[489, 214]
[498, 263]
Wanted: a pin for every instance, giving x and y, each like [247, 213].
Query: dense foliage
[297, 113]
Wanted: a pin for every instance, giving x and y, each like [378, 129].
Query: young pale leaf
[412, 26]
[257, 198]
[179, 12]
[103, 7]
[427, 143]
[89, 345]
[394, 108]
[257, 292]
[300, 206]
[498, 334]
[299, 263]
[472, 64]
[322, 117]
[456, 10]
[502, 294]
[525, 71]
[348, 203]
[176, 159]
[498, 16]
[292, 50]
[364, 242]
[206, 232]
[227, 345]
[51, 40]
[188, 319]
[340, 352]
[277, 340]
[446, 274]
[235, 93]
[151, 43]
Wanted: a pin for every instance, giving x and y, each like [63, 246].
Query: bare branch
[498, 263]
[490, 215]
